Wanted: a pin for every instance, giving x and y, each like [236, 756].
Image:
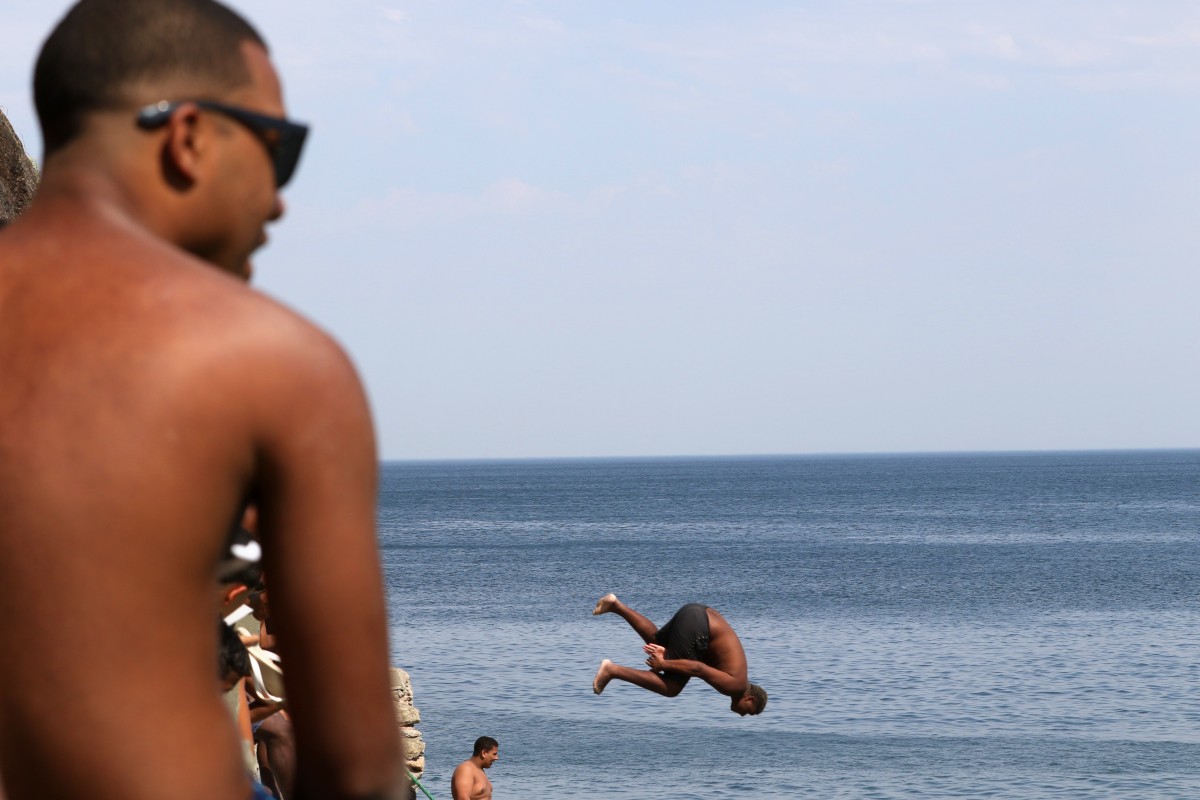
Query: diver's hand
[657, 655]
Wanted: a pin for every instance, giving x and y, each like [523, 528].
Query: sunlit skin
[251, 199]
[146, 396]
[469, 781]
[724, 667]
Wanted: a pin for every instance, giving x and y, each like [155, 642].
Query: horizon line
[815, 455]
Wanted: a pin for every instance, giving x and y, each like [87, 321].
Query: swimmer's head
[487, 750]
[751, 702]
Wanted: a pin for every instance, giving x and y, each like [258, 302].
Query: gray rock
[407, 716]
[18, 173]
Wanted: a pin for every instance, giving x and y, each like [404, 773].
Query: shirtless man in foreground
[147, 395]
[697, 642]
[469, 781]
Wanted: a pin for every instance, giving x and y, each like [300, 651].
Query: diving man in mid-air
[697, 642]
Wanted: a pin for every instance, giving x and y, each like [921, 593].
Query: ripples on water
[1017, 626]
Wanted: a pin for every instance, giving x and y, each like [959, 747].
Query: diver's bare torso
[725, 651]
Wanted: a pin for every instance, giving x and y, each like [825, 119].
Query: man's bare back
[147, 395]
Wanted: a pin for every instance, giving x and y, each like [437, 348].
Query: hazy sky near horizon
[671, 228]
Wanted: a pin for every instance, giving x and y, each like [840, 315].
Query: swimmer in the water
[697, 642]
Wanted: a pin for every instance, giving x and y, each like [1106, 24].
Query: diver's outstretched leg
[610, 604]
[666, 685]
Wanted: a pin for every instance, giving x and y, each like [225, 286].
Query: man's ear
[185, 147]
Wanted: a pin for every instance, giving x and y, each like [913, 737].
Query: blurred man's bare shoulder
[114, 284]
[159, 342]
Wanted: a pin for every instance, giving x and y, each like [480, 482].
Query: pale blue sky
[636, 228]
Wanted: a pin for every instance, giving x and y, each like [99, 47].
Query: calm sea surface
[932, 626]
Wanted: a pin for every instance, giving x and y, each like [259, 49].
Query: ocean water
[927, 626]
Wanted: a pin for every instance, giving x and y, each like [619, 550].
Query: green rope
[418, 784]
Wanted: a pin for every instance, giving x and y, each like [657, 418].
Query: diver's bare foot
[604, 605]
[603, 675]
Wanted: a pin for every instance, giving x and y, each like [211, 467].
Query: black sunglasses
[283, 138]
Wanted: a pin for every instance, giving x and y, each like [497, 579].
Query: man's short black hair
[760, 696]
[483, 744]
[102, 50]
[233, 656]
